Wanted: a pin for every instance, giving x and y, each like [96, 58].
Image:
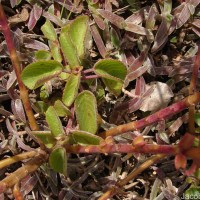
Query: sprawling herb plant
[68, 67]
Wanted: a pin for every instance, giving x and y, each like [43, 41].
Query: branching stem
[16, 65]
[158, 116]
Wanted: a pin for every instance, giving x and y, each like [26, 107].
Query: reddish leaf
[187, 141]
[98, 40]
[138, 61]
[70, 6]
[135, 74]
[129, 57]
[180, 161]
[11, 81]
[35, 14]
[28, 183]
[183, 15]
[18, 110]
[99, 21]
[151, 20]
[129, 26]
[138, 17]
[113, 18]
[53, 18]
[161, 35]
[140, 86]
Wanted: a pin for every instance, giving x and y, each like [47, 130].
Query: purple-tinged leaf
[135, 74]
[196, 23]
[138, 61]
[134, 105]
[35, 44]
[113, 18]
[128, 106]
[35, 14]
[108, 6]
[151, 20]
[11, 81]
[98, 40]
[13, 93]
[99, 21]
[180, 70]
[165, 70]
[129, 26]
[5, 112]
[161, 35]
[150, 63]
[28, 183]
[196, 26]
[138, 17]
[129, 58]
[12, 129]
[70, 6]
[196, 30]
[177, 124]
[18, 110]
[182, 16]
[140, 86]
[53, 18]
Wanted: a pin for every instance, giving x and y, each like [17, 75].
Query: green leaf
[197, 118]
[192, 193]
[100, 93]
[44, 92]
[42, 55]
[113, 73]
[78, 32]
[37, 73]
[83, 138]
[46, 137]
[58, 160]
[113, 86]
[197, 173]
[49, 31]
[86, 111]
[41, 107]
[111, 69]
[68, 48]
[114, 38]
[71, 89]
[61, 109]
[55, 50]
[54, 122]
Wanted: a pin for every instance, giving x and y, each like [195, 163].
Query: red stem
[90, 77]
[158, 116]
[124, 148]
[88, 71]
[16, 65]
